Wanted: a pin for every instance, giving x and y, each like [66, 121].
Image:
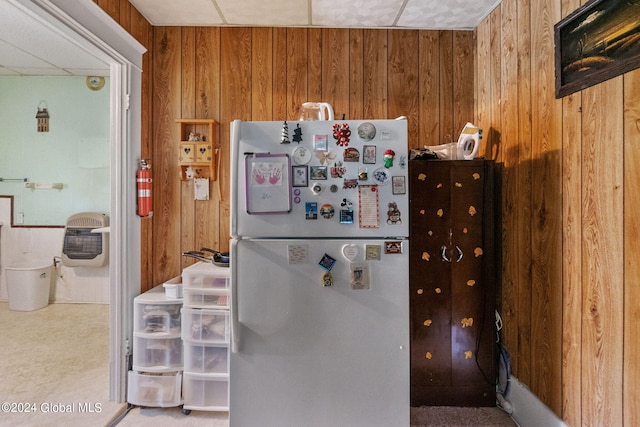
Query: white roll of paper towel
[465, 149]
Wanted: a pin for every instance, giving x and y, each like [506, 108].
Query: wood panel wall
[570, 231]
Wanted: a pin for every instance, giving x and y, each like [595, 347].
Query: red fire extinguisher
[143, 180]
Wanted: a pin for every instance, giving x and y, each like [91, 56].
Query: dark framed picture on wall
[598, 41]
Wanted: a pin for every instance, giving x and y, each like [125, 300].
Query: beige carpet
[449, 416]
[54, 366]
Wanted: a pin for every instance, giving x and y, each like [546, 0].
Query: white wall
[71, 284]
[75, 151]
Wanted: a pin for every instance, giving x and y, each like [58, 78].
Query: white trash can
[29, 285]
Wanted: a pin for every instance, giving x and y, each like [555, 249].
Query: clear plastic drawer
[204, 325]
[205, 392]
[157, 318]
[205, 275]
[160, 390]
[206, 358]
[206, 298]
[157, 354]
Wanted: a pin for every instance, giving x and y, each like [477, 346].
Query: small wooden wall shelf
[199, 148]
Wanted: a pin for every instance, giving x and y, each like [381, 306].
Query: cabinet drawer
[187, 153]
[157, 354]
[203, 153]
[203, 325]
[206, 359]
[206, 298]
[157, 318]
[154, 390]
[205, 392]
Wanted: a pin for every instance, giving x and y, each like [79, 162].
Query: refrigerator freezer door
[314, 355]
[331, 186]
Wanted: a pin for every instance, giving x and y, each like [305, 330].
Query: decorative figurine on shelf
[195, 137]
[388, 158]
[341, 134]
[297, 134]
[285, 134]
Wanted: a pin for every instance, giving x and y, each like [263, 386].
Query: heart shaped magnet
[350, 252]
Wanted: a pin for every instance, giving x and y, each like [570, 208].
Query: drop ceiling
[30, 45]
[418, 14]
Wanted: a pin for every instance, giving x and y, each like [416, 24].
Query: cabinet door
[430, 284]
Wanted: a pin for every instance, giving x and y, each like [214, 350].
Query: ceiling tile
[449, 14]
[358, 13]
[47, 48]
[265, 13]
[179, 13]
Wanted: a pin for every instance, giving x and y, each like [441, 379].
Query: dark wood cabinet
[452, 283]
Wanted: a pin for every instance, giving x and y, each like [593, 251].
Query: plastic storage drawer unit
[205, 275]
[203, 325]
[154, 390]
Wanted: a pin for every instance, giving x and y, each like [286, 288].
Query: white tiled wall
[71, 284]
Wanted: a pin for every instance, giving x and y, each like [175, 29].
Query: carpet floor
[55, 366]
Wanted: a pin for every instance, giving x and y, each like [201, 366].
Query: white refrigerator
[319, 258]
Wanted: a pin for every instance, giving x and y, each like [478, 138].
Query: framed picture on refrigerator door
[300, 176]
[267, 183]
[398, 185]
[369, 154]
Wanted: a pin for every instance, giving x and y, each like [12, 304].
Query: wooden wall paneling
[279, 74]
[523, 179]
[446, 91]
[572, 248]
[124, 17]
[510, 214]
[572, 259]
[187, 111]
[402, 69]
[262, 78]
[235, 76]
[356, 74]
[235, 102]
[482, 84]
[314, 67]
[335, 70]
[463, 53]
[546, 324]
[495, 58]
[296, 58]
[631, 355]
[429, 87]
[142, 31]
[603, 256]
[166, 107]
[209, 223]
[112, 7]
[375, 77]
